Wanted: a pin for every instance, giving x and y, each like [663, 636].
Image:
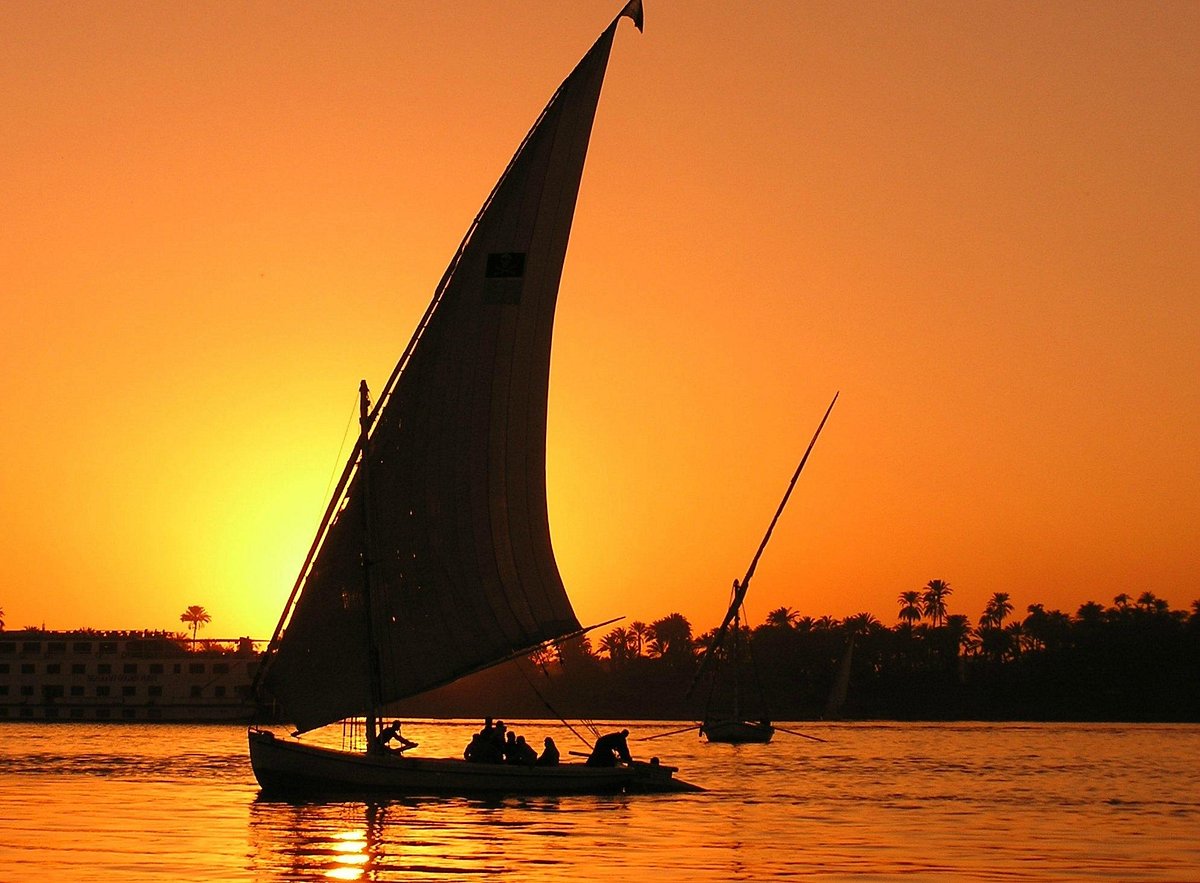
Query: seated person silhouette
[392, 731]
[610, 748]
[549, 756]
[522, 753]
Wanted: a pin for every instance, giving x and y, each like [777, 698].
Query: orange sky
[978, 221]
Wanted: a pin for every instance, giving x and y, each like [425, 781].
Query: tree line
[1136, 659]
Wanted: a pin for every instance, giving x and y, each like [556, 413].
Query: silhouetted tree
[860, 623]
[197, 616]
[1090, 613]
[672, 637]
[933, 600]
[617, 644]
[640, 633]
[782, 618]
[997, 610]
[575, 651]
[910, 607]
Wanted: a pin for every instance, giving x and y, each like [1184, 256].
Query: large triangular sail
[460, 566]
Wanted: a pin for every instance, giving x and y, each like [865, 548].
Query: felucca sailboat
[732, 725]
[434, 559]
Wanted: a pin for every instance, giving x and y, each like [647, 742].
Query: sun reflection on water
[350, 848]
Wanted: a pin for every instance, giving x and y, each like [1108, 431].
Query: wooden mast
[364, 477]
[739, 589]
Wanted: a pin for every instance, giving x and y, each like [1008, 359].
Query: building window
[130, 668]
[82, 646]
[27, 690]
[219, 691]
[51, 712]
[156, 668]
[3, 689]
[31, 647]
[26, 668]
[77, 689]
[56, 647]
[108, 647]
[196, 668]
[103, 712]
[220, 668]
[104, 668]
[54, 668]
[78, 668]
[8, 647]
[3, 668]
[76, 712]
[196, 692]
[102, 690]
[178, 668]
[154, 690]
[129, 691]
[155, 713]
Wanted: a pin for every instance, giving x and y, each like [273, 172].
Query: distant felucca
[434, 558]
[727, 648]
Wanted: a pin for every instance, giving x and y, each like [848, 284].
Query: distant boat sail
[434, 559]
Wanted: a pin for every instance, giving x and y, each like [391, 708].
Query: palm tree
[1017, 638]
[616, 644]
[1, 619]
[639, 632]
[1090, 613]
[860, 623]
[672, 636]
[997, 609]
[782, 618]
[910, 607]
[962, 636]
[933, 600]
[197, 616]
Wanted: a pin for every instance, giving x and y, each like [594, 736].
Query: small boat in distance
[434, 558]
[728, 649]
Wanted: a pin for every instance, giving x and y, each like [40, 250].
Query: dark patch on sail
[503, 278]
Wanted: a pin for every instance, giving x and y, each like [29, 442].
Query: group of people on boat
[495, 743]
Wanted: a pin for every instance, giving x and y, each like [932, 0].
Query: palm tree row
[1133, 659]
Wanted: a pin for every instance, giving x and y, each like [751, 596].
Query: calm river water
[1035, 802]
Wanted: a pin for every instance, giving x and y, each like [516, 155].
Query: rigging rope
[338, 459]
[517, 664]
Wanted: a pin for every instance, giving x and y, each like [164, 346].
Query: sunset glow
[978, 222]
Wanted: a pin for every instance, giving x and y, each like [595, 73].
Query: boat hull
[286, 767]
[734, 732]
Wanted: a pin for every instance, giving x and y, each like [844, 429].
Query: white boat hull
[283, 766]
